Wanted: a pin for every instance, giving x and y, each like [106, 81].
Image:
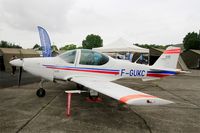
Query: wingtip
[164, 102]
[151, 101]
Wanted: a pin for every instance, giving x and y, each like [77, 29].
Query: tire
[40, 92]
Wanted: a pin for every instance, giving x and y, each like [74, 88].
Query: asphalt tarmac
[22, 111]
[8, 80]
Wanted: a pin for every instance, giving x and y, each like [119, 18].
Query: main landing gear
[41, 92]
[93, 95]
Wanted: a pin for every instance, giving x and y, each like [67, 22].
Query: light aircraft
[96, 71]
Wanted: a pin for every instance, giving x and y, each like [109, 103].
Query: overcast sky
[70, 21]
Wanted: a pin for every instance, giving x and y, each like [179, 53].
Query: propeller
[18, 63]
[20, 76]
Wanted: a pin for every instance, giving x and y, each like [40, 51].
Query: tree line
[190, 41]
[5, 44]
[91, 41]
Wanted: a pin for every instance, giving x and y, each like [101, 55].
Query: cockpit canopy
[87, 57]
[69, 56]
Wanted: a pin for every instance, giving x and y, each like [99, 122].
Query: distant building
[7, 53]
[192, 58]
[53, 53]
[155, 53]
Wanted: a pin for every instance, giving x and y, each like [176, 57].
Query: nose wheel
[41, 92]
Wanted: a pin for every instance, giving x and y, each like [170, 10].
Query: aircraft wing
[119, 92]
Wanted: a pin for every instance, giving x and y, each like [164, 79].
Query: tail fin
[45, 42]
[169, 58]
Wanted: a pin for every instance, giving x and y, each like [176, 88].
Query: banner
[45, 42]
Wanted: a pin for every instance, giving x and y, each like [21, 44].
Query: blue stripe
[82, 68]
[162, 72]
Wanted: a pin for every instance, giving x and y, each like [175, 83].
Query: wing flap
[119, 92]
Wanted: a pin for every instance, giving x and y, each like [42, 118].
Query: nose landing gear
[41, 92]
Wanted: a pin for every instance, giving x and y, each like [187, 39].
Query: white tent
[121, 45]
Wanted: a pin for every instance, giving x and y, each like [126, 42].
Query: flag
[45, 42]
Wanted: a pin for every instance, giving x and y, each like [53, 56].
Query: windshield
[89, 57]
[69, 56]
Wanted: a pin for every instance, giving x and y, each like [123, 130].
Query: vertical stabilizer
[169, 58]
[45, 42]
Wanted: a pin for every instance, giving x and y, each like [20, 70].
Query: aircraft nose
[17, 62]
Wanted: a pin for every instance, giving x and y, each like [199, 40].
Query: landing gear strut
[93, 95]
[41, 92]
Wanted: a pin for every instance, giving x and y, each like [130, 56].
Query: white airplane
[96, 71]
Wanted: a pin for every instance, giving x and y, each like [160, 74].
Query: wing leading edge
[119, 92]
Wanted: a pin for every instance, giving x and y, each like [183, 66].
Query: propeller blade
[20, 76]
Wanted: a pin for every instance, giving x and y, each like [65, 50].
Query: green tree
[79, 47]
[37, 47]
[92, 41]
[191, 41]
[54, 48]
[68, 47]
[5, 44]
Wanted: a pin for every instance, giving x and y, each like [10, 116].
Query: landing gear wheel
[40, 92]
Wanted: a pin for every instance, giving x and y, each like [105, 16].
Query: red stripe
[172, 51]
[157, 75]
[94, 71]
[135, 96]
